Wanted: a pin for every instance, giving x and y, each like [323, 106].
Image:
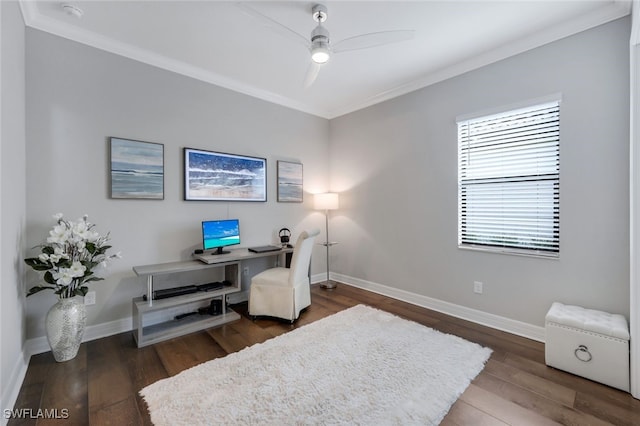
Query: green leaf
[48, 277]
[93, 279]
[48, 250]
[91, 247]
[39, 288]
[64, 263]
[103, 249]
[81, 291]
[37, 264]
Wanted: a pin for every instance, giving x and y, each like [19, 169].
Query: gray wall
[397, 168]
[12, 200]
[77, 96]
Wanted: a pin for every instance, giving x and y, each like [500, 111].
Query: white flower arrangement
[72, 252]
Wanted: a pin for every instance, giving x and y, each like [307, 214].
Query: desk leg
[150, 289]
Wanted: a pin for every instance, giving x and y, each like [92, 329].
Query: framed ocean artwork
[289, 182]
[217, 176]
[137, 169]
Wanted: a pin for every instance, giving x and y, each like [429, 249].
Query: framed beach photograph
[289, 182]
[217, 176]
[137, 169]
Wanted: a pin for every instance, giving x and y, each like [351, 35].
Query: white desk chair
[284, 292]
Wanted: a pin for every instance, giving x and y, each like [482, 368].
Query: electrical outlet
[245, 271]
[477, 287]
[90, 298]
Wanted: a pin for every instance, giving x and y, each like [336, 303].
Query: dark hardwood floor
[100, 386]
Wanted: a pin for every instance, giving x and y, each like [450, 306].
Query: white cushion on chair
[284, 292]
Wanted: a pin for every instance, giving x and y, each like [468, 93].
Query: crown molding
[33, 19]
[617, 9]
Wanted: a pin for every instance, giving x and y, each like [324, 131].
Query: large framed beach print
[137, 169]
[289, 182]
[218, 176]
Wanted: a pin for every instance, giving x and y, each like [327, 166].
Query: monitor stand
[220, 251]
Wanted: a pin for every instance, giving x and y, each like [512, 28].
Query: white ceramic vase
[64, 326]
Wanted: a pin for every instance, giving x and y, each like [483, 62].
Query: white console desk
[144, 308]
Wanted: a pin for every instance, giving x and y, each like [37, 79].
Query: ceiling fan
[319, 43]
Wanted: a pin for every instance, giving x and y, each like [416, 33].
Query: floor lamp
[327, 201]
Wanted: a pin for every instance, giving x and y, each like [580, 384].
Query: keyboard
[264, 249]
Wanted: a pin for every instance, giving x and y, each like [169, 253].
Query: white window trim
[487, 113]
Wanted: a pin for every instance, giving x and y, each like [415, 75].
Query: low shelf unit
[148, 329]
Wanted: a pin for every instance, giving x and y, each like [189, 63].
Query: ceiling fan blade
[365, 41]
[312, 74]
[274, 25]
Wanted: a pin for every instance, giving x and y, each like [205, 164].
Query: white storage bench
[589, 343]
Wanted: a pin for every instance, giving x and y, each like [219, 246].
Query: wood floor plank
[232, 338]
[188, 351]
[531, 382]
[124, 412]
[603, 409]
[66, 388]
[462, 413]
[503, 409]
[411, 312]
[550, 409]
[145, 368]
[31, 394]
[101, 386]
[247, 328]
[109, 380]
[572, 381]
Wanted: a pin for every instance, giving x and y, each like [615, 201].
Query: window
[509, 181]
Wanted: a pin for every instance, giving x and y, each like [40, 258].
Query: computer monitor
[217, 234]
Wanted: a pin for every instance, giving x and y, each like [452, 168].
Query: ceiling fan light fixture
[320, 53]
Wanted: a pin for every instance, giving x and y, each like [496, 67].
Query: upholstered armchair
[284, 292]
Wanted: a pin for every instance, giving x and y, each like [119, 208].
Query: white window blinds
[509, 181]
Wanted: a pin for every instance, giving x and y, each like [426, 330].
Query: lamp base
[329, 285]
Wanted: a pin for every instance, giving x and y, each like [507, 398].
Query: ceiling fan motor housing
[320, 34]
[319, 13]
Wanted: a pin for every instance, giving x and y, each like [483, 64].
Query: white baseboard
[40, 345]
[11, 388]
[518, 328]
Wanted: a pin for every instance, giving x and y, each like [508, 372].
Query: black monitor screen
[220, 233]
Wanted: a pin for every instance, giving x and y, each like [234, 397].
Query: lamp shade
[326, 201]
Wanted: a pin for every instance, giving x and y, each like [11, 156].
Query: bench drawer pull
[583, 354]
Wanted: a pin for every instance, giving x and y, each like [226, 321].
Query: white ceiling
[218, 42]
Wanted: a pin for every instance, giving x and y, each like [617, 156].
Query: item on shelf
[187, 314]
[175, 291]
[214, 308]
[211, 286]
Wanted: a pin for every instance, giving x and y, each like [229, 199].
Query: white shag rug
[358, 366]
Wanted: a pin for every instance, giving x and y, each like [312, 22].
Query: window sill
[512, 252]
